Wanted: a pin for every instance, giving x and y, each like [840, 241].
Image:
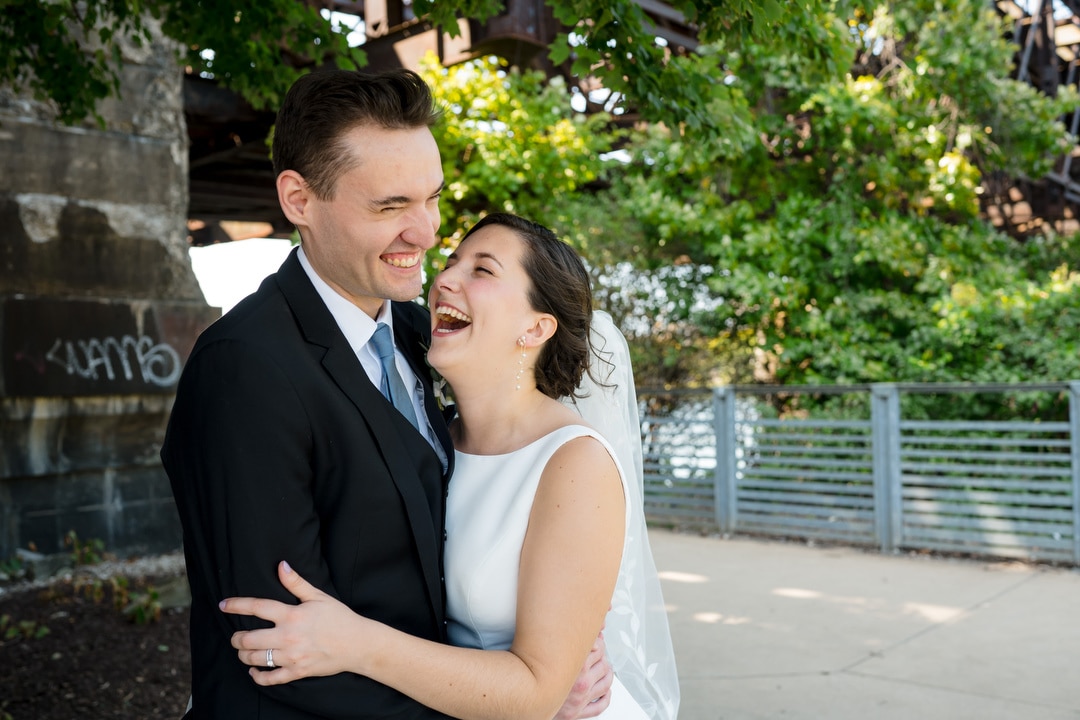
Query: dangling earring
[521, 363]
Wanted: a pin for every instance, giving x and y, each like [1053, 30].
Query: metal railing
[869, 475]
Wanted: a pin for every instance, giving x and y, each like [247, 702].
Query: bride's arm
[569, 563]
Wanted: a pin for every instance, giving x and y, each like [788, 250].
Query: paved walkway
[782, 630]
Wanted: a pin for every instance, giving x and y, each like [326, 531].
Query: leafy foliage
[88, 552]
[829, 232]
[259, 47]
[610, 40]
[64, 51]
[144, 607]
[71, 52]
[804, 203]
[843, 224]
[11, 629]
[510, 142]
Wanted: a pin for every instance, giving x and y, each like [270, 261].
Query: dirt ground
[94, 661]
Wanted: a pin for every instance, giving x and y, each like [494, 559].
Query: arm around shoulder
[564, 594]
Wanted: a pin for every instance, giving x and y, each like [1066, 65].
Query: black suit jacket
[280, 448]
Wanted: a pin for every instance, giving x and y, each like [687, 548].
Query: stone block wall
[98, 310]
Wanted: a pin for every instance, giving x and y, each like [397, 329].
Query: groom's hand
[591, 693]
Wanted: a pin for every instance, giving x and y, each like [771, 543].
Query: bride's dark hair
[559, 286]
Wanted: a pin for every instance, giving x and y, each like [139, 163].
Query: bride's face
[479, 308]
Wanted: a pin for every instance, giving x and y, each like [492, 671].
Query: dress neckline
[538, 440]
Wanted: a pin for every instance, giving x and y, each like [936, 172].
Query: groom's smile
[402, 260]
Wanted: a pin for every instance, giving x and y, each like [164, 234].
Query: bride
[545, 535]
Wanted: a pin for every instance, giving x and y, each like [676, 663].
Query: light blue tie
[392, 385]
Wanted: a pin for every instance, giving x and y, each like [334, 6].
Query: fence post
[724, 477]
[885, 454]
[1074, 457]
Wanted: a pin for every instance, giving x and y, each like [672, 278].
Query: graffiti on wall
[78, 347]
[157, 364]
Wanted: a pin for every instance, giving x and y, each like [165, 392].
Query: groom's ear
[293, 196]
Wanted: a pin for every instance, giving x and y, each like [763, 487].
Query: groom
[281, 446]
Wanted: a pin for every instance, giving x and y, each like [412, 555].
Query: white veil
[636, 632]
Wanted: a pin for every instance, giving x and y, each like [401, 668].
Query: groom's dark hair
[324, 105]
[559, 286]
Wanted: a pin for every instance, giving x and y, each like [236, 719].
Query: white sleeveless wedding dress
[487, 513]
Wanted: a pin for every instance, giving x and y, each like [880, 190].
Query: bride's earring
[521, 363]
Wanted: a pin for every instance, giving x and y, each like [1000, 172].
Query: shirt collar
[357, 325]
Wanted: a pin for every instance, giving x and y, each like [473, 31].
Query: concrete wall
[98, 310]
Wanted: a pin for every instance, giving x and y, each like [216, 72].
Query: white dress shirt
[358, 327]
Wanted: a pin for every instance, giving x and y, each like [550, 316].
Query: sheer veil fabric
[638, 639]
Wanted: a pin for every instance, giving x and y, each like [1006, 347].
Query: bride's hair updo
[559, 286]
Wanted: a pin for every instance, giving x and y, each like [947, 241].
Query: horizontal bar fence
[864, 465]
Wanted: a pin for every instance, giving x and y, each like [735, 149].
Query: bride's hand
[305, 639]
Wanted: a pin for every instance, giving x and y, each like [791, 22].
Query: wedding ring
[270, 658]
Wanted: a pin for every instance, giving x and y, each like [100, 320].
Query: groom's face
[368, 240]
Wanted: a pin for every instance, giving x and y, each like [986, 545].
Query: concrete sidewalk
[782, 630]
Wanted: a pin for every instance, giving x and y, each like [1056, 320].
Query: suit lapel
[340, 362]
[413, 337]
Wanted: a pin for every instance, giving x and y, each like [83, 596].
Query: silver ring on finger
[270, 658]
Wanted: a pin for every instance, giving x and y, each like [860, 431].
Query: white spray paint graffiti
[158, 364]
